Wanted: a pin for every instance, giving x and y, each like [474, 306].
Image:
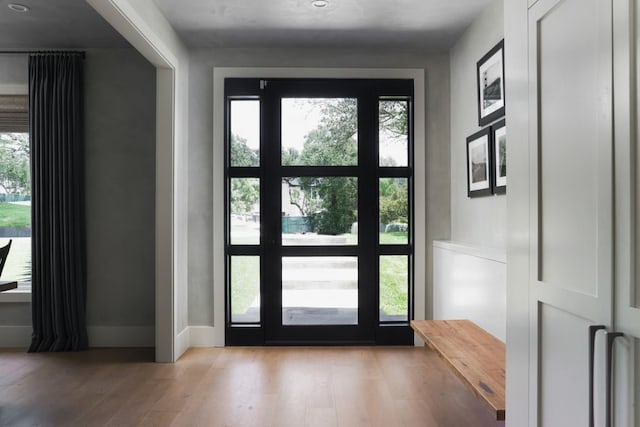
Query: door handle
[593, 329]
[611, 337]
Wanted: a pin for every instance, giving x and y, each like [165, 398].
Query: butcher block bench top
[474, 354]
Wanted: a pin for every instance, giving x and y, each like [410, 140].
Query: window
[15, 188]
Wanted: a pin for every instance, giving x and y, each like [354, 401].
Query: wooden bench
[476, 356]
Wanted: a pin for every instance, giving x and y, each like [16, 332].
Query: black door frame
[369, 329]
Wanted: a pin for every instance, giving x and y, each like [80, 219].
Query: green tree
[339, 204]
[303, 194]
[393, 117]
[394, 200]
[15, 163]
[333, 143]
[241, 154]
[332, 201]
[245, 192]
[290, 157]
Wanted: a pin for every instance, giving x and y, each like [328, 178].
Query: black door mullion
[308, 251]
[367, 211]
[395, 172]
[319, 171]
[394, 250]
[244, 250]
[270, 211]
[236, 172]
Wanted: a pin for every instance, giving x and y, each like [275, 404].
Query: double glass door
[319, 211]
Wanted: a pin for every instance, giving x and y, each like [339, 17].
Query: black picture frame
[490, 82]
[479, 154]
[499, 168]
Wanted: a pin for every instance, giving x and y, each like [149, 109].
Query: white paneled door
[584, 222]
[626, 366]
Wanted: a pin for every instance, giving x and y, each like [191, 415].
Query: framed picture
[479, 163]
[499, 138]
[491, 85]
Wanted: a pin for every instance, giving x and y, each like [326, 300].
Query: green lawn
[394, 238]
[12, 215]
[394, 284]
[245, 282]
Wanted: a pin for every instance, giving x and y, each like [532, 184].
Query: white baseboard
[206, 336]
[182, 343]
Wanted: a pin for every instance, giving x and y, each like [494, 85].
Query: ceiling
[422, 24]
[55, 24]
[432, 25]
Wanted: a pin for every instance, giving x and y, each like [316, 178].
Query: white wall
[470, 283]
[143, 25]
[120, 195]
[517, 92]
[480, 221]
[120, 192]
[201, 145]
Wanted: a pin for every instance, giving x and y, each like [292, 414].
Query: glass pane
[319, 131]
[15, 205]
[245, 289]
[245, 132]
[319, 211]
[393, 132]
[319, 290]
[394, 211]
[394, 288]
[245, 211]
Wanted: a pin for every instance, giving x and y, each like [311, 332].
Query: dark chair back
[4, 251]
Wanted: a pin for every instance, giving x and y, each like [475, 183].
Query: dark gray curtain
[57, 175]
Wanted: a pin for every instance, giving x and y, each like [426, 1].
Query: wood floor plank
[157, 419]
[262, 387]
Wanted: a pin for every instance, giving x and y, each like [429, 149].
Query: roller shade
[14, 113]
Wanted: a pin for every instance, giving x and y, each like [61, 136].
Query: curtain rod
[37, 52]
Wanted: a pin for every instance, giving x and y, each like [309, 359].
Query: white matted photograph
[490, 78]
[499, 131]
[479, 163]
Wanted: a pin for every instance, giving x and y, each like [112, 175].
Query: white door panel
[571, 135]
[626, 397]
[568, 146]
[627, 176]
[571, 148]
[563, 385]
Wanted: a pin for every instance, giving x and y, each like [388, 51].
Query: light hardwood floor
[265, 386]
